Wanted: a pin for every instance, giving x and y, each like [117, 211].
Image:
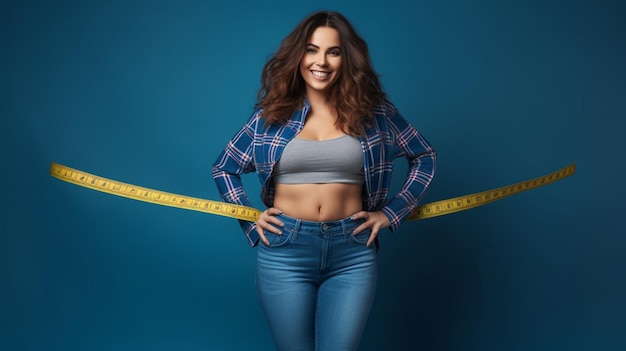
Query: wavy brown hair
[354, 95]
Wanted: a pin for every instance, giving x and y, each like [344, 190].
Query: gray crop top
[338, 160]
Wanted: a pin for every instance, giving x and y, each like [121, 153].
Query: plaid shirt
[258, 146]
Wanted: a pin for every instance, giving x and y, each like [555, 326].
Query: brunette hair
[355, 94]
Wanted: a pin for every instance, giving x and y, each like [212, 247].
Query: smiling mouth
[320, 74]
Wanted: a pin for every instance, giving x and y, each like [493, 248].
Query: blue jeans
[316, 283]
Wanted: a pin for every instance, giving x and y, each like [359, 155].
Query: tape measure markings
[150, 195]
[433, 209]
[466, 202]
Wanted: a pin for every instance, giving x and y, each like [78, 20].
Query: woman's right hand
[268, 221]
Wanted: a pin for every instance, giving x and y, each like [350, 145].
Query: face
[320, 64]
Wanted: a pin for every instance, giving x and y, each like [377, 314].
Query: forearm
[420, 174]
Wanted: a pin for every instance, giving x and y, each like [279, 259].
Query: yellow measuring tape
[433, 209]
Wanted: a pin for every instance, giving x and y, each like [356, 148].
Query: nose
[321, 60]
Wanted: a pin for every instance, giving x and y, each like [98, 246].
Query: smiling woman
[143, 91]
[322, 139]
[322, 60]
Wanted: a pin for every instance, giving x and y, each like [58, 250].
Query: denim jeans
[316, 283]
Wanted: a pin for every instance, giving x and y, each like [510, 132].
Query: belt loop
[344, 227]
[296, 229]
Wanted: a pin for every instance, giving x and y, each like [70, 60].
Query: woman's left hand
[373, 220]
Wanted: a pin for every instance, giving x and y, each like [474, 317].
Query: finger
[270, 227]
[365, 225]
[269, 216]
[359, 215]
[372, 236]
[274, 220]
[259, 231]
[274, 211]
[273, 229]
[262, 225]
[264, 239]
[360, 228]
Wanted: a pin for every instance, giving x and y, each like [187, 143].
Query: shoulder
[385, 113]
[253, 119]
[388, 118]
[386, 109]
[257, 114]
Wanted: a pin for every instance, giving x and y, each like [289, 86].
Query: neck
[317, 99]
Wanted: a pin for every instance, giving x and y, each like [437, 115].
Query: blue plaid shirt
[258, 146]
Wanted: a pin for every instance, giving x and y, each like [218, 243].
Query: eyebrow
[317, 47]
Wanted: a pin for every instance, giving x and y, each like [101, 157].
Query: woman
[322, 140]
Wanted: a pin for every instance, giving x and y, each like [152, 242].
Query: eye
[335, 52]
[310, 50]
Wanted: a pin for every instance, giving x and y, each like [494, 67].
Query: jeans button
[324, 227]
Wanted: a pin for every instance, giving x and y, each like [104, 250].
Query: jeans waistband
[326, 227]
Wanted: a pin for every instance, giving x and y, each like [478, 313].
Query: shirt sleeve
[236, 159]
[421, 156]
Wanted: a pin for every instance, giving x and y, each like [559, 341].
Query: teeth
[320, 74]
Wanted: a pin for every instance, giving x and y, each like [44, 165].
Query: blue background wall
[149, 93]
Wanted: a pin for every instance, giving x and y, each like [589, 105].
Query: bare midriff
[318, 202]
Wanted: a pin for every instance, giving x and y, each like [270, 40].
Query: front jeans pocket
[362, 237]
[277, 240]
